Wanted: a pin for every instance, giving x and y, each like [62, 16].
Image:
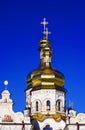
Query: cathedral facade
[45, 99]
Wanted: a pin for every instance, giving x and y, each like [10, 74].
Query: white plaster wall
[42, 96]
[47, 94]
[14, 127]
[82, 127]
[71, 122]
[74, 127]
[71, 127]
[6, 110]
[61, 96]
[53, 124]
[28, 98]
[80, 117]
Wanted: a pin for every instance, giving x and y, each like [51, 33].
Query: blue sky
[20, 33]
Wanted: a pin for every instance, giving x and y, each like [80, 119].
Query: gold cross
[46, 32]
[44, 23]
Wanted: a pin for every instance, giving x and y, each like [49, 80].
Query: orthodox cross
[44, 23]
[46, 32]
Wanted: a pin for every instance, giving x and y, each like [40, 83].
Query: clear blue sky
[20, 32]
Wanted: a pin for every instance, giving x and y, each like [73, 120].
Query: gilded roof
[45, 79]
[57, 116]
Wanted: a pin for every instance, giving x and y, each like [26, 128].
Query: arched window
[59, 106]
[48, 105]
[58, 103]
[47, 128]
[37, 106]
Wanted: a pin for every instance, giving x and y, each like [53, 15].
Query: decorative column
[77, 125]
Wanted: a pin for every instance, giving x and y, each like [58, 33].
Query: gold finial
[46, 32]
[44, 23]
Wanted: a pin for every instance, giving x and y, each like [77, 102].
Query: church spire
[45, 49]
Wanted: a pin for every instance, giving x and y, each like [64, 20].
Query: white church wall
[72, 117]
[75, 121]
[14, 126]
[60, 96]
[42, 96]
[52, 123]
[75, 127]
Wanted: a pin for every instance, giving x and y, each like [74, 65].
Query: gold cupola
[45, 76]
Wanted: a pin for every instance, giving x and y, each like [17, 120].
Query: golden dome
[45, 76]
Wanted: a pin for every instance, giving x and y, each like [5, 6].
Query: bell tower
[45, 92]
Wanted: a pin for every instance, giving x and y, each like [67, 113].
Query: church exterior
[45, 99]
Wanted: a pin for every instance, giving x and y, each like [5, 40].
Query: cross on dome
[46, 32]
[44, 23]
